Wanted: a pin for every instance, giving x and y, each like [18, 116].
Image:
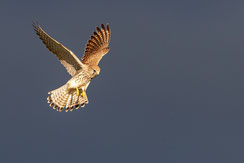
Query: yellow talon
[77, 91]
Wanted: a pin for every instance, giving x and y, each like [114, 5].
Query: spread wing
[97, 46]
[66, 56]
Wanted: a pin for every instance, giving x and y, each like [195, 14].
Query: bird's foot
[83, 93]
[77, 91]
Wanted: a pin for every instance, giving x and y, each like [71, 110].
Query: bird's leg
[83, 93]
[77, 91]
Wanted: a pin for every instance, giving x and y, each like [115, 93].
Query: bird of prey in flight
[73, 94]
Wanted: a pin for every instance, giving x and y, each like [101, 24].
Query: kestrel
[73, 94]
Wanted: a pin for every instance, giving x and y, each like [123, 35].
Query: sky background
[170, 89]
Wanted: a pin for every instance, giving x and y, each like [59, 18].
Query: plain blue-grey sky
[170, 89]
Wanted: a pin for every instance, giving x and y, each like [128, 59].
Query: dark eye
[94, 72]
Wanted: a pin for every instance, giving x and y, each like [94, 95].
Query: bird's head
[95, 69]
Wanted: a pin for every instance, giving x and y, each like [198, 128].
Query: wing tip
[35, 24]
[107, 28]
[102, 25]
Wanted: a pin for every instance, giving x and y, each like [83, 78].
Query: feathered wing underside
[97, 46]
[66, 56]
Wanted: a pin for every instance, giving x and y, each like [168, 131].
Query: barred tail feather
[58, 98]
[75, 101]
[63, 98]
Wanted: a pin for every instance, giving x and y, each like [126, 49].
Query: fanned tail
[63, 98]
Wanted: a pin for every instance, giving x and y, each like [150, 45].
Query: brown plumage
[97, 46]
[82, 71]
